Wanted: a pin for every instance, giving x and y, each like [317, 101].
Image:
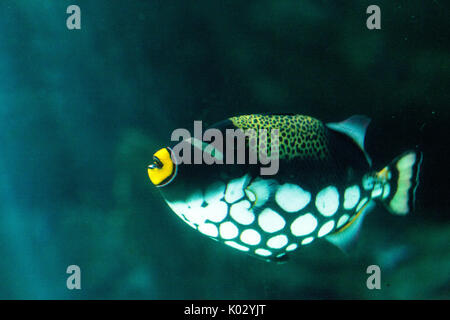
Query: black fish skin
[340, 163]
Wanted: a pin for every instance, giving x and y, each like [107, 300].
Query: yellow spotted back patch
[300, 136]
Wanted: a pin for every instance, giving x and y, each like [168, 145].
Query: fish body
[324, 186]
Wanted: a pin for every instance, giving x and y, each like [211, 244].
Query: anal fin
[345, 238]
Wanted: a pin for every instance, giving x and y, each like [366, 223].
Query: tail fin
[401, 178]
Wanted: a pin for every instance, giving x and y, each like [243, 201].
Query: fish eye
[163, 170]
[157, 164]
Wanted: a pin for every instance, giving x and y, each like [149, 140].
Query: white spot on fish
[377, 190]
[216, 211]
[270, 221]
[367, 182]
[307, 240]
[342, 220]
[228, 230]
[236, 245]
[292, 198]
[326, 228]
[304, 225]
[251, 237]
[351, 197]
[291, 247]
[277, 242]
[240, 212]
[263, 252]
[208, 229]
[361, 204]
[327, 201]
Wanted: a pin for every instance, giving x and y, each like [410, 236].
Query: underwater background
[83, 111]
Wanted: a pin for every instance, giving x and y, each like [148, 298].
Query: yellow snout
[162, 170]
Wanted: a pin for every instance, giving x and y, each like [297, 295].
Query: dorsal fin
[354, 127]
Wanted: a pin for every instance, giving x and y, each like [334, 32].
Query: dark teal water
[82, 111]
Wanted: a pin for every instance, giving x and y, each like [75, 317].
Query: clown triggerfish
[324, 185]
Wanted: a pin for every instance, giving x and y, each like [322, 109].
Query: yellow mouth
[162, 170]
